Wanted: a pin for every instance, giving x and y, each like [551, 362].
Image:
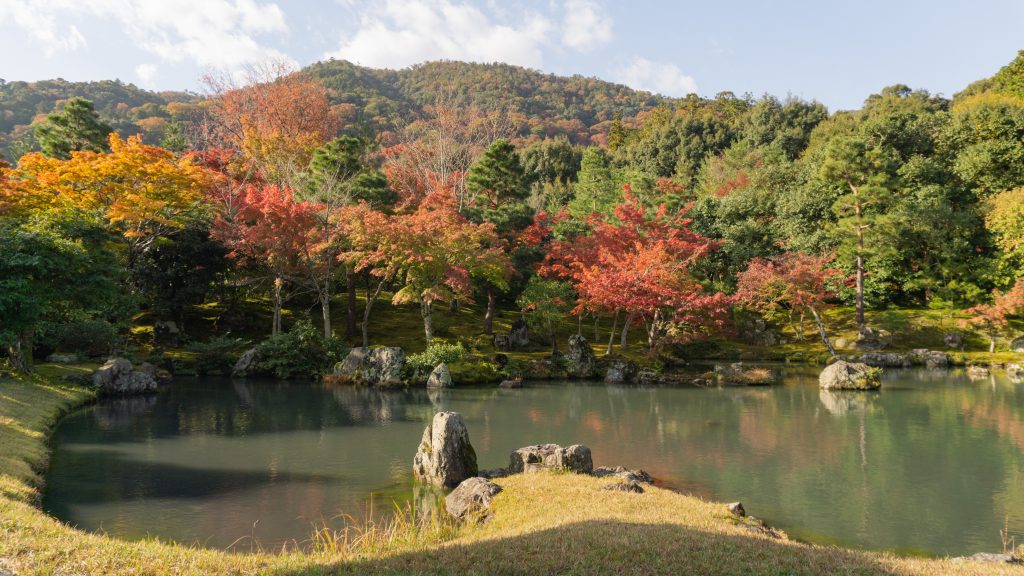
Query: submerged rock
[580, 359]
[843, 375]
[575, 458]
[471, 499]
[445, 457]
[372, 366]
[440, 377]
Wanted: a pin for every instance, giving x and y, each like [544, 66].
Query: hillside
[378, 99]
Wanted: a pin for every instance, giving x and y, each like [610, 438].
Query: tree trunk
[489, 316]
[325, 308]
[350, 312]
[554, 339]
[624, 342]
[824, 335]
[596, 319]
[991, 344]
[278, 285]
[611, 337]
[579, 324]
[20, 352]
[428, 320]
[366, 311]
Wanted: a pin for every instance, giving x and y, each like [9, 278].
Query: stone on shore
[575, 458]
[622, 474]
[246, 363]
[580, 359]
[471, 499]
[440, 377]
[445, 457]
[58, 358]
[1017, 345]
[843, 375]
[738, 374]
[620, 371]
[372, 366]
[624, 486]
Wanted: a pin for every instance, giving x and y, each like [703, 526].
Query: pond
[932, 464]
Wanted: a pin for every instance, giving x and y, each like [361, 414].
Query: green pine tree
[76, 127]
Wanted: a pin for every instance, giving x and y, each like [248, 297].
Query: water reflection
[932, 463]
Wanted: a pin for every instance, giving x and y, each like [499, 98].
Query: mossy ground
[542, 524]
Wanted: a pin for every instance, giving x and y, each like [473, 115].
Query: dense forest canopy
[450, 182]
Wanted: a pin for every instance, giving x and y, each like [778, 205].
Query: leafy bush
[216, 355]
[438, 352]
[302, 352]
[92, 338]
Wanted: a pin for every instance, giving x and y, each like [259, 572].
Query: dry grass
[546, 523]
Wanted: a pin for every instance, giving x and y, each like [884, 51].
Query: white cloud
[398, 33]
[662, 78]
[146, 74]
[586, 25]
[216, 33]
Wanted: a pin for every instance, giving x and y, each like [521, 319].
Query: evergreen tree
[77, 127]
[595, 189]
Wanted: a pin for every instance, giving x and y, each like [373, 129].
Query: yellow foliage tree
[144, 192]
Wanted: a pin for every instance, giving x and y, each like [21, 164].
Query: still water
[932, 464]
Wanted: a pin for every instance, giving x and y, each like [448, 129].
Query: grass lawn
[548, 523]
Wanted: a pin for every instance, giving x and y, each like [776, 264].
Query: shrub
[435, 354]
[216, 355]
[92, 338]
[302, 352]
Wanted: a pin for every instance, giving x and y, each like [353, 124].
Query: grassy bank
[552, 523]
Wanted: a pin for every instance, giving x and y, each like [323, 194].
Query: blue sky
[834, 52]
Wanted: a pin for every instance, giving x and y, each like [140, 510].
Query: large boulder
[575, 458]
[117, 377]
[738, 374]
[440, 377]
[1017, 345]
[471, 499]
[580, 359]
[372, 366]
[246, 363]
[843, 375]
[445, 457]
[519, 335]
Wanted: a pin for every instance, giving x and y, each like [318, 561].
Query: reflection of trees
[122, 412]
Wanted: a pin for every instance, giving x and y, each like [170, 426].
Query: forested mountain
[374, 100]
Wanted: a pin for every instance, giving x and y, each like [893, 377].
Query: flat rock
[622, 474]
[575, 458]
[471, 499]
[625, 486]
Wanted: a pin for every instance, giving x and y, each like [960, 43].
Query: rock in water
[445, 456]
[843, 375]
[246, 363]
[372, 366]
[580, 359]
[471, 499]
[440, 377]
[117, 378]
[575, 458]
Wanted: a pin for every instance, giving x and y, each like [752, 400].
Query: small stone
[736, 509]
[512, 383]
[471, 499]
[627, 486]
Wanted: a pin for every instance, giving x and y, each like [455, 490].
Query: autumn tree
[76, 127]
[792, 282]
[1005, 220]
[994, 318]
[143, 192]
[640, 264]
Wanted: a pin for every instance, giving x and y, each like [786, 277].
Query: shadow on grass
[614, 547]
